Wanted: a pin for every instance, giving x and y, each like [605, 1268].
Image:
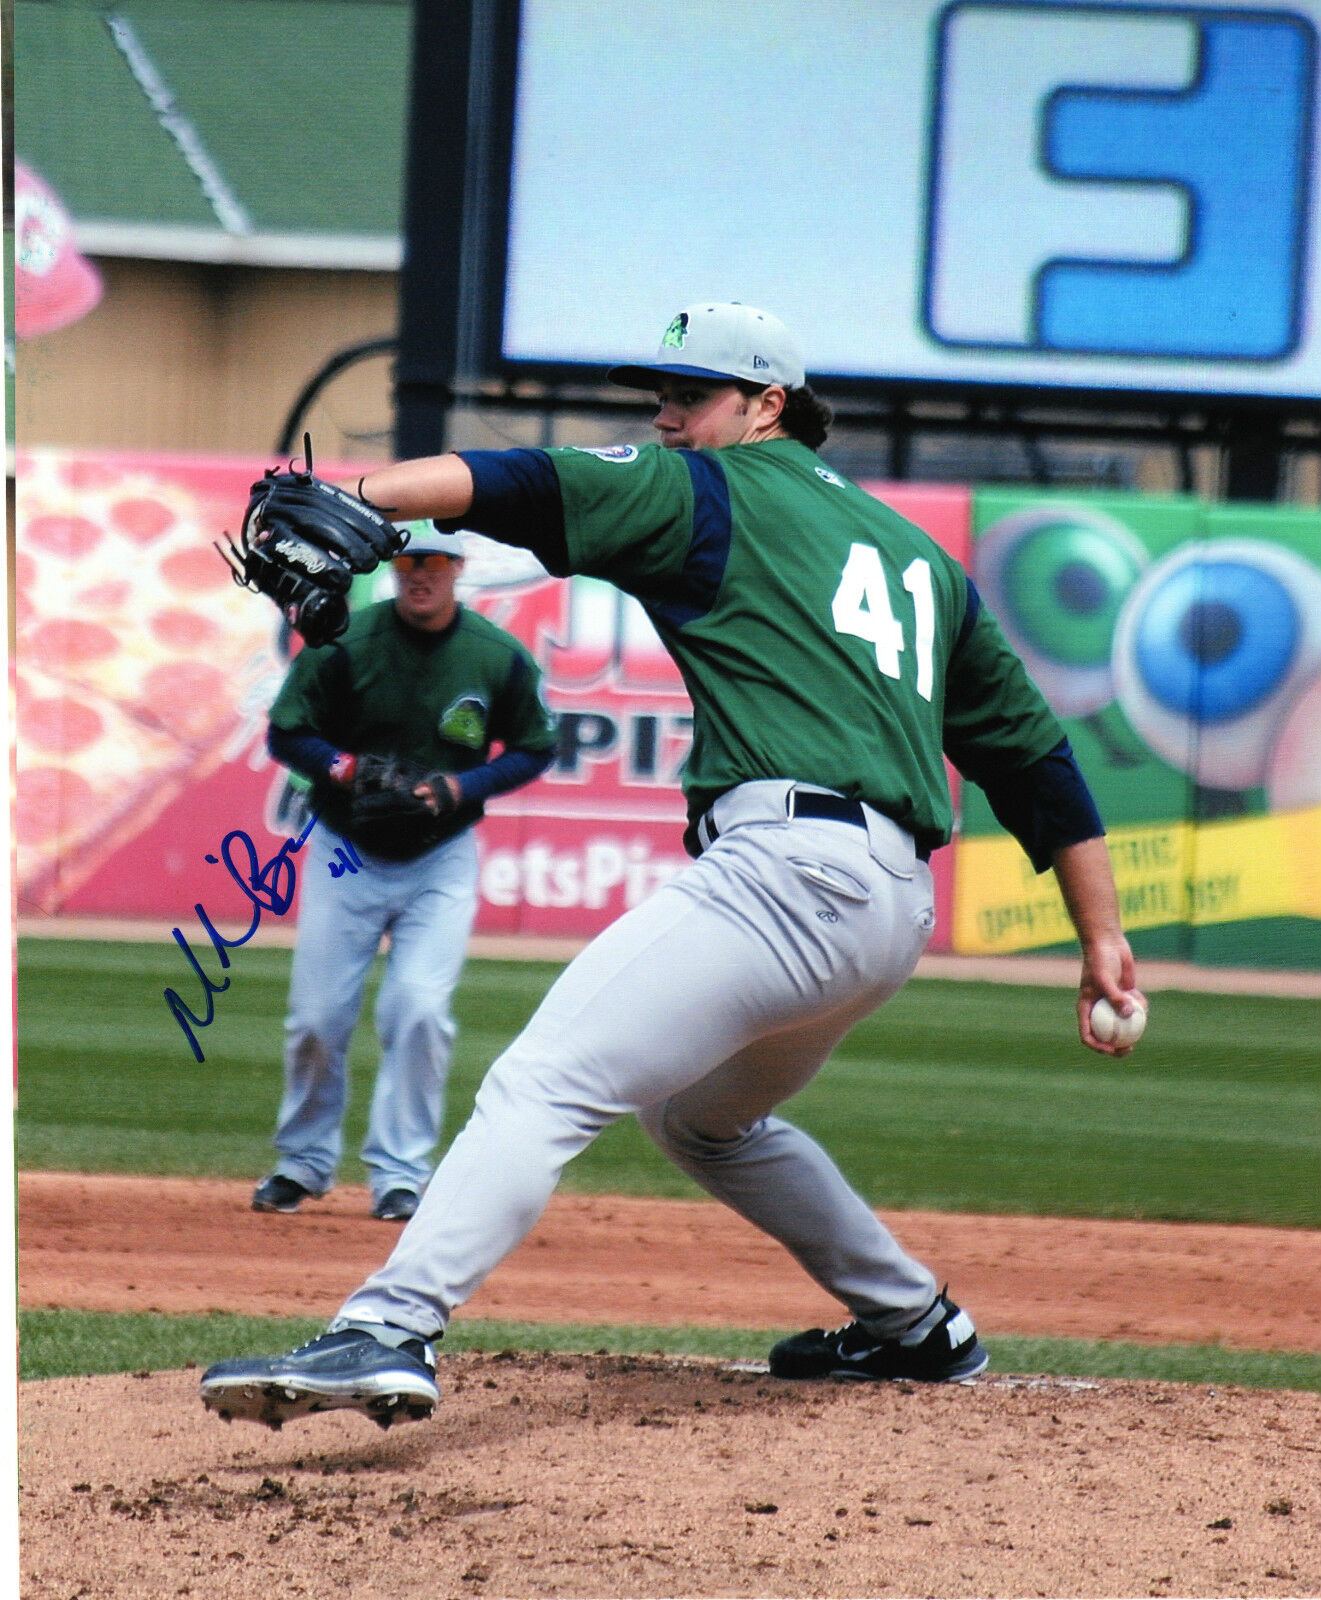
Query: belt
[829, 807]
[799, 803]
[835, 808]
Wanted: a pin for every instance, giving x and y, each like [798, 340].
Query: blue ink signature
[347, 860]
[269, 888]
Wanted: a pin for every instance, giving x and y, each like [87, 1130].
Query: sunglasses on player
[435, 562]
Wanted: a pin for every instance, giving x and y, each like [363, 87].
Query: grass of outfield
[55, 1344]
[956, 1096]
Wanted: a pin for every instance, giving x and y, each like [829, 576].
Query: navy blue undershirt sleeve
[509, 770]
[689, 594]
[313, 756]
[307, 753]
[971, 607]
[1046, 805]
[516, 500]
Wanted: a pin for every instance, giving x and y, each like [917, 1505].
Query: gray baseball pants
[699, 1011]
[426, 906]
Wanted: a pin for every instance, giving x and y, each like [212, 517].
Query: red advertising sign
[142, 673]
[141, 743]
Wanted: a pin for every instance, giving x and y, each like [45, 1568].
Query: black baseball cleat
[398, 1205]
[940, 1347]
[278, 1193]
[345, 1371]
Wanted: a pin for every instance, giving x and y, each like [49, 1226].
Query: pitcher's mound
[554, 1475]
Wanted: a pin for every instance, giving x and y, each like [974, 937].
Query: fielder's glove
[387, 813]
[303, 542]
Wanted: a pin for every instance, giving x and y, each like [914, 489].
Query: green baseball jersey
[439, 699]
[821, 636]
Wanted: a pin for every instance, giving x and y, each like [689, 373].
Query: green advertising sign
[1180, 644]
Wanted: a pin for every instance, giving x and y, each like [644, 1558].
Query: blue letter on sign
[1237, 142]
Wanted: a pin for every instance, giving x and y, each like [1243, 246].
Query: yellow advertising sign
[1177, 872]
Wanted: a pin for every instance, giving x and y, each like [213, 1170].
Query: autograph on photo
[346, 859]
[269, 887]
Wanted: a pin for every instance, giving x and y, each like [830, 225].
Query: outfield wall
[1179, 641]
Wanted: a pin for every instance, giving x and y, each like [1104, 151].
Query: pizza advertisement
[141, 668]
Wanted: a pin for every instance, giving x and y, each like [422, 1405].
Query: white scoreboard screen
[1099, 197]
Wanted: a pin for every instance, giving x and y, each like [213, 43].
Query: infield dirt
[554, 1475]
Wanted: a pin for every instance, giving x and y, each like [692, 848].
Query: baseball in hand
[1110, 1028]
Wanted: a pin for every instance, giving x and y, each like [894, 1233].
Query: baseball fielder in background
[393, 723]
[832, 651]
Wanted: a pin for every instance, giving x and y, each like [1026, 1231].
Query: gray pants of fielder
[699, 1011]
[426, 908]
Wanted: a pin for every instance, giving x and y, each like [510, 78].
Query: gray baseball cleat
[940, 1347]
[398, 1205]
[278, 1193]
[344, 1371]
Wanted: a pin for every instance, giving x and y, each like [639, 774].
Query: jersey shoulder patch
[610, 452]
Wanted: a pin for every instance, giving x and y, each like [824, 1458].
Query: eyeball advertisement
[1180, 643]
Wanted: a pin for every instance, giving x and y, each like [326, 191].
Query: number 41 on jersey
[862, 607]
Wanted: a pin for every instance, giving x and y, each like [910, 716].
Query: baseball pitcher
[833, 653]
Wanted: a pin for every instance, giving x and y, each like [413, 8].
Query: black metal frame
[1253, 463]
[460, 149]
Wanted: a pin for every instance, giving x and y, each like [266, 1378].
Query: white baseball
[1110, 1028]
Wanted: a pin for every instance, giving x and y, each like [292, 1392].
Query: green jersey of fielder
[834, 654]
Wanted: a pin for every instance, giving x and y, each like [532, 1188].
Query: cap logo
[676, 333]
[760, 361]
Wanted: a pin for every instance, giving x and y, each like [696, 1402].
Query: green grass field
[956, 1096]
[62, 1343]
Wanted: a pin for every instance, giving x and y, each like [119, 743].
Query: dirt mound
[594, 1476]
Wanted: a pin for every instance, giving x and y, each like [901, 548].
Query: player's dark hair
[806, 417]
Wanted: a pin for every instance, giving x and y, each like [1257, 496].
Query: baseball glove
[386, 814]
[303, 542]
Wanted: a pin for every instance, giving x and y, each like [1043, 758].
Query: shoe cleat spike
[345, 1370]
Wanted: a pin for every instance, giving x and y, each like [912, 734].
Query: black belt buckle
[827, 807]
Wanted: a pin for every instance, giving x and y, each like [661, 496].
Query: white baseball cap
[425, 539]
[723, 340]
